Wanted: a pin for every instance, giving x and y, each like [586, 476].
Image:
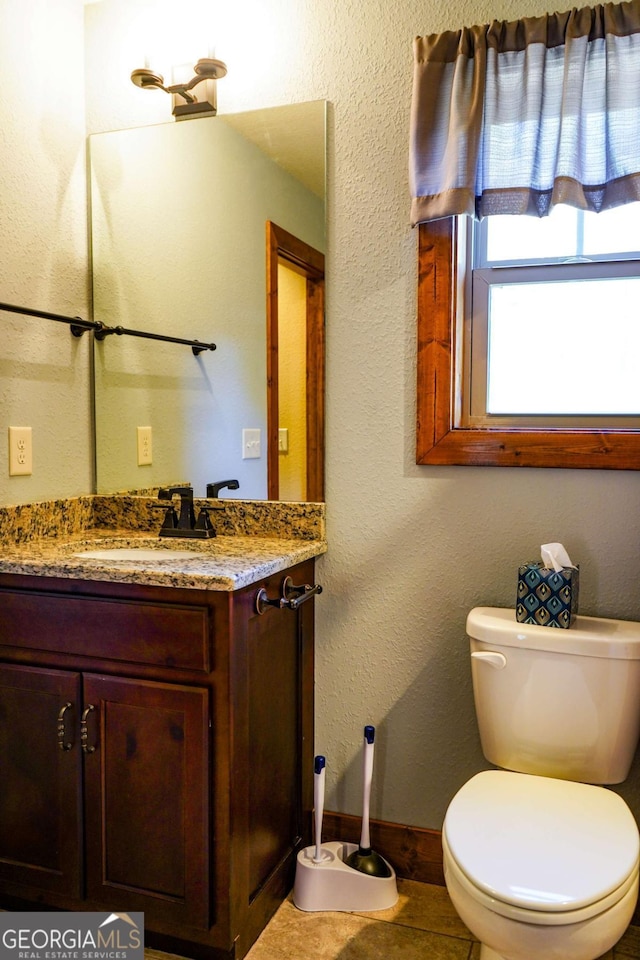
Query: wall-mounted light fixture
[185, 103]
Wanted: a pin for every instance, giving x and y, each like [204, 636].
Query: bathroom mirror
[183, 216]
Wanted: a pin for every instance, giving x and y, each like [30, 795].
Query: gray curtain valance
[516, 117]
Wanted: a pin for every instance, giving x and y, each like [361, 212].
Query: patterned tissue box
[547, 598]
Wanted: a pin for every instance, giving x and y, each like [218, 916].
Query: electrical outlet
[251, 445]
[145, 451]
[283, 439]
[20, 452]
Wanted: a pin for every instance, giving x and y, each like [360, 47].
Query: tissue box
[545, 597]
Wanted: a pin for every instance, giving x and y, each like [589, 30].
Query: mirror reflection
[213, 230]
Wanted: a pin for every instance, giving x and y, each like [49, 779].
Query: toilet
[540, 858]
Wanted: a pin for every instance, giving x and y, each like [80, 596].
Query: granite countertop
[240, 555]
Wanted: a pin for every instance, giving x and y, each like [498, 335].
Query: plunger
[318, 804]
[364, 858]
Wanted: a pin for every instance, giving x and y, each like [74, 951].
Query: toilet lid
[540, 843]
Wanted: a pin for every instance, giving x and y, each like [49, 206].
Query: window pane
[530, 238]
[564, 347]
[614, 231]
[564, 234]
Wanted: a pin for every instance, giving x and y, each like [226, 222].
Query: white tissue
[554, 555]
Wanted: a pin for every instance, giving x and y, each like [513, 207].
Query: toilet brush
[318, 803]
[364, 858]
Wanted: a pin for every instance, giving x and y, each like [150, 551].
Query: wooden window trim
[439, 440]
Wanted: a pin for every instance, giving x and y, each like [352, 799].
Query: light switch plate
[251, 445]
[145, 450]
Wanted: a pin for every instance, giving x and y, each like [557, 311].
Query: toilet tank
[553, 702]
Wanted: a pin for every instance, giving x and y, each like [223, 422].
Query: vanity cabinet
[139, 835]
[156, 747]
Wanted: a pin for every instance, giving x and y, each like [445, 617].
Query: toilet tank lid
[588, 637]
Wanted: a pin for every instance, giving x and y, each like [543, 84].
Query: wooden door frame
[282, 245]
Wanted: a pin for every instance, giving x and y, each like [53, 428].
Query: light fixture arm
[180, 90]
[205, 69]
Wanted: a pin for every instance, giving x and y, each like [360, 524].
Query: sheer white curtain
[515, 117]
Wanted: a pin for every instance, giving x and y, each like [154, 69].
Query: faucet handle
[170, 521]
[204, 522]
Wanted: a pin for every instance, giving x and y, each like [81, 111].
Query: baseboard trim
[415, 853]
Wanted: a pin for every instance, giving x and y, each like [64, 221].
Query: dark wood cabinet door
[275, 748]
[146, 786]
[40, 779]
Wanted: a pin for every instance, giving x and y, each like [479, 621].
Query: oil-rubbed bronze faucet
[184, 524]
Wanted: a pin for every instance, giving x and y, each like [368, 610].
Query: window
[530, 357]
[554, 333]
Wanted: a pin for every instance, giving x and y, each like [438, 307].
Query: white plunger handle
[318, 803]
[369, 736]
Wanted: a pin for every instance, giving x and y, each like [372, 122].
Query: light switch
[251, 444]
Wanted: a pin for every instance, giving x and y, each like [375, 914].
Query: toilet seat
[539, 849]
[533, 917]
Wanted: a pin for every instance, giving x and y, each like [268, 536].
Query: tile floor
[422, 926]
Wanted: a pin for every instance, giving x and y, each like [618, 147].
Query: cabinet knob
[84, 730]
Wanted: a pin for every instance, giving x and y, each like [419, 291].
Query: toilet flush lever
[496, 660]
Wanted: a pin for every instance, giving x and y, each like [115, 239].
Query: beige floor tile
[422, 926]
[425, 906]
[295, 935]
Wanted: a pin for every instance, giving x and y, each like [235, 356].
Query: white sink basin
[134, 553]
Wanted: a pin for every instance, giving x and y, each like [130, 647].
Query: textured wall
[44, 372]
[411, 548]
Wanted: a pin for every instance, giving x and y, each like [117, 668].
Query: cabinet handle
[84, 730]
[300, 593]
[63, 743]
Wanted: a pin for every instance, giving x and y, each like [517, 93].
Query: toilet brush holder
[330, 884]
